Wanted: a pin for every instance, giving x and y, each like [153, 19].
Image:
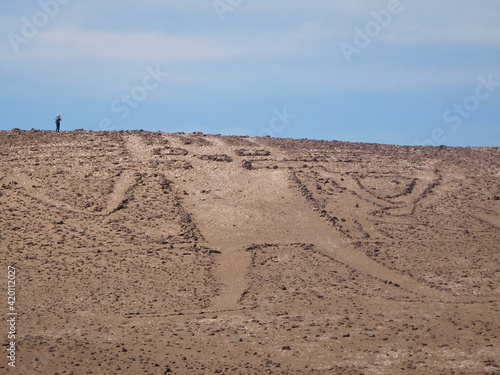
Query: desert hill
[154, 253]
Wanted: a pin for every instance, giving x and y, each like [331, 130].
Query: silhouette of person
[58, 122]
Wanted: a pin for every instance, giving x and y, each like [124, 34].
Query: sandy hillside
[153, 253]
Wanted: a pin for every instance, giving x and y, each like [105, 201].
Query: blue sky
[396, 72]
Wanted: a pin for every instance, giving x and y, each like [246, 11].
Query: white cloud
[112, 46]
[105, 46]
[296, 43]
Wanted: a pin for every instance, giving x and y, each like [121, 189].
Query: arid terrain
[155, 253]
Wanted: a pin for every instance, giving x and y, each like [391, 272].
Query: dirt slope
[153, 253]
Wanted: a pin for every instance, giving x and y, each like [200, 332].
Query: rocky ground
[154, 253]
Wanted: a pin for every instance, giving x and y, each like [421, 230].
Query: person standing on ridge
[58, 122]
